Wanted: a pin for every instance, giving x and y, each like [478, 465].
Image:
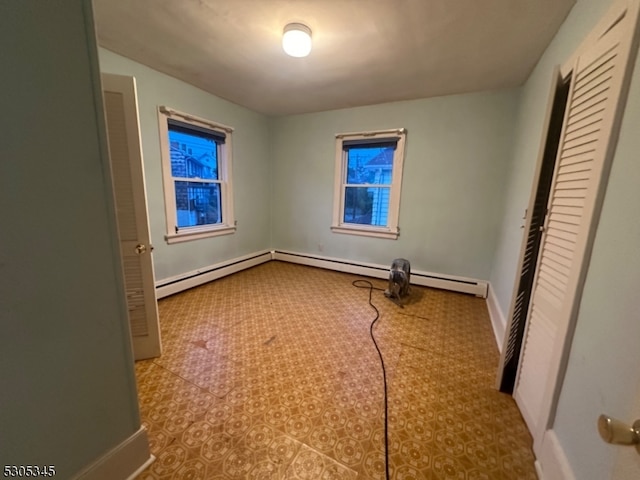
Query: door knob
[140, 249]
[619, 433]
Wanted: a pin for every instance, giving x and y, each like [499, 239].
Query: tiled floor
[271, 374]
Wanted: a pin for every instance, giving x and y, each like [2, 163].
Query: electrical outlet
[320, 247]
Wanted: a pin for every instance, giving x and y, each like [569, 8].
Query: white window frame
[391, 230]
[228, 225]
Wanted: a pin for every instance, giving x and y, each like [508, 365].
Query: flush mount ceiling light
[296, 40]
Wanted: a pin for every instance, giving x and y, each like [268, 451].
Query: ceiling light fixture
[296, 40]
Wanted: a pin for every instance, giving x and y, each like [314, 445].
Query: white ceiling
[364, 51]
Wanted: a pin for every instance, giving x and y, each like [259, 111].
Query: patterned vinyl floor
[271, 374]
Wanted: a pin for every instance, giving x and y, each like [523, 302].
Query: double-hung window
[196, 164]
[367, 183]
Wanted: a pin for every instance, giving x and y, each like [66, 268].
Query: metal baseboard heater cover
[425, 279]
[179, 283]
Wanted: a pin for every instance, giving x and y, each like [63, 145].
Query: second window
[368, 179]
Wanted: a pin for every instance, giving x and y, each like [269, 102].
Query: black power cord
[369, 285]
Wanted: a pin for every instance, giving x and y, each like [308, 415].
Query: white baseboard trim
[425, 279]
[125, 461]
[498, 320]
[179, 283]
[552, 463]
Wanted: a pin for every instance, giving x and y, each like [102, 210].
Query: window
[196, 164]
[367, 183]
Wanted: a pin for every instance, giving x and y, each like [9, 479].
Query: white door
[534, 222]
[125, 149]
[599, 81]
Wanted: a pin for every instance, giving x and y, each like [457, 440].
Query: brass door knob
[140, 249]
[619, 433]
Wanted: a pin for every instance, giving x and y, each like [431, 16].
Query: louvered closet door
[600, 74]
[131, 209]
[537, 209]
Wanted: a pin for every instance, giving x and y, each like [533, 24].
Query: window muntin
[368, 179]
[197, 173]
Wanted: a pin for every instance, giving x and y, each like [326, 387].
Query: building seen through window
[194, 167]
[369, 174]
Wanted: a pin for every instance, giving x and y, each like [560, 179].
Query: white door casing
[600, 71]
[125, 151]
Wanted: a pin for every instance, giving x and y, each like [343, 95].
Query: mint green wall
[456, 157]
[66, 368]
[250, 167]
[528, 132]
[602, 374]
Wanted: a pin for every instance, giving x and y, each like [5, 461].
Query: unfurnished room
[296, 239]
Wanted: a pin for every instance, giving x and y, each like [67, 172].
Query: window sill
[388, 233]
[197, 234]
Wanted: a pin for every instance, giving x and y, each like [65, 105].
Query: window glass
[370, 165]
[193, 155]
[197, 203]
[366, 206]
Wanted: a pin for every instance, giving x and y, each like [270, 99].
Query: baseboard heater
[425, 279]
[169, 286]
[179, 283]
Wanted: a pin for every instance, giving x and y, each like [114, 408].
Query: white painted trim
[391, 230]
[179, 283]
[188, 234]
[426, 279]
[552, 463]
[367, 232]
[498, 320]
[372, 133]
[170, 112]
[126, 460]
[225, 180]
[142, 468]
